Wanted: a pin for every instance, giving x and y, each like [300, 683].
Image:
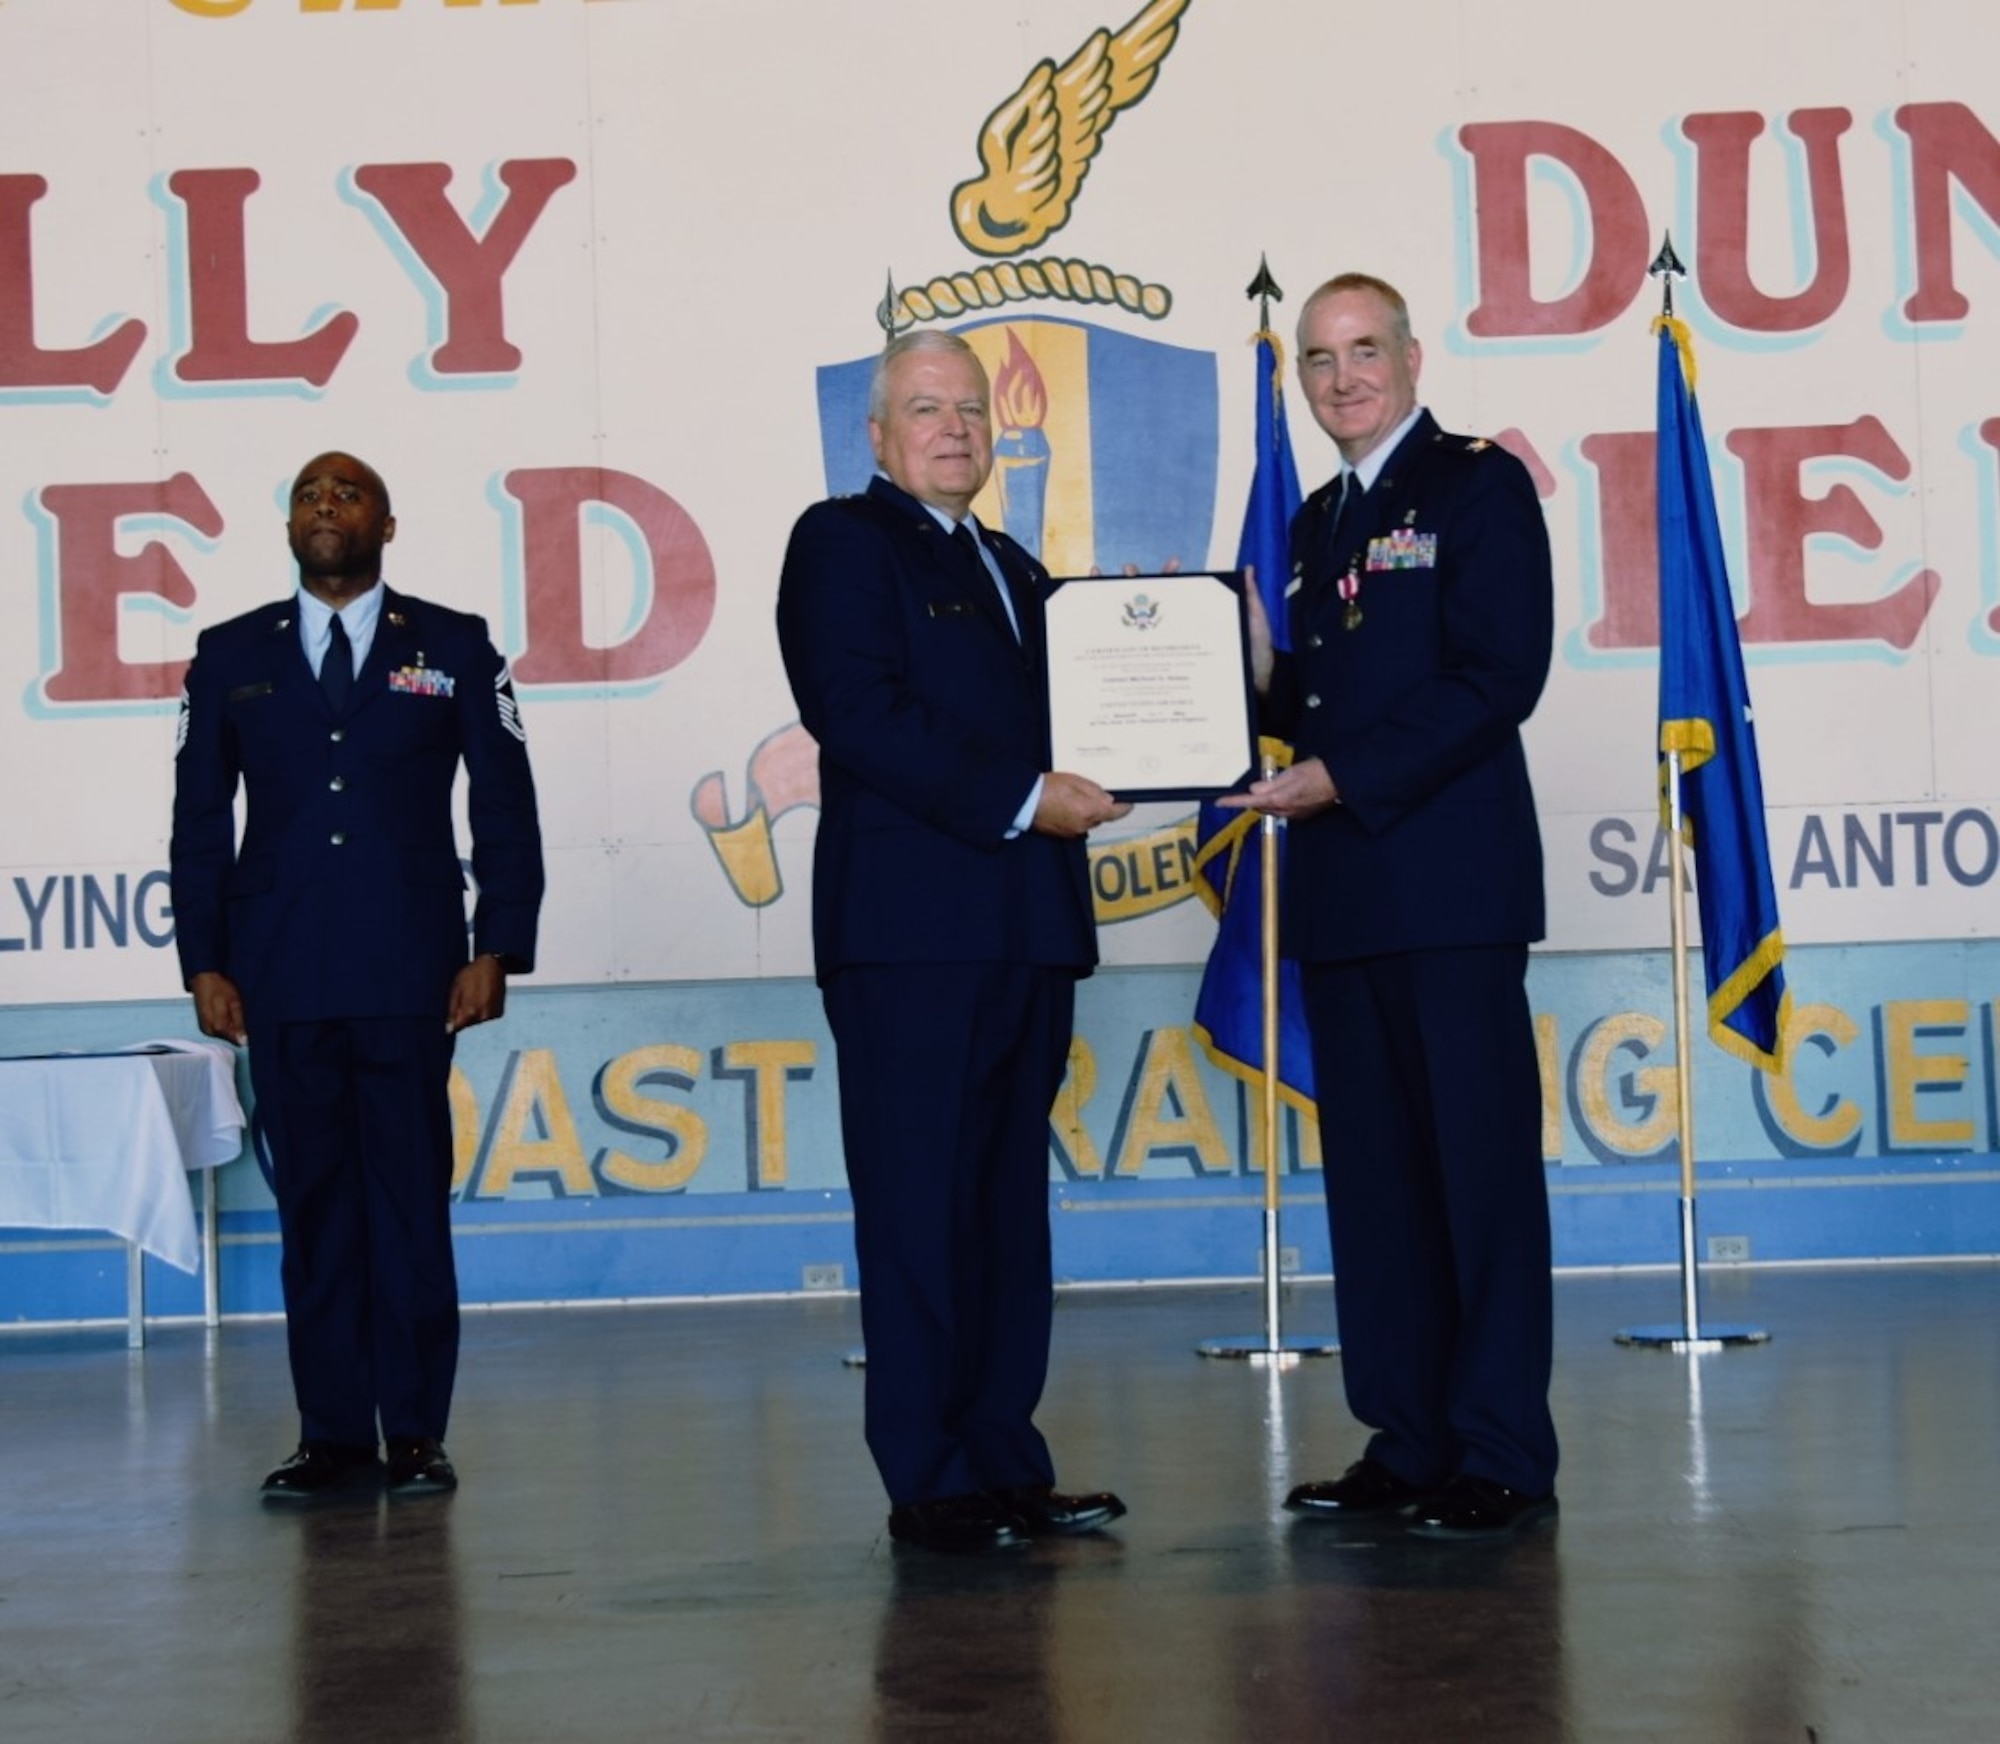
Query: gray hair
[918, 339]
[1399, 311]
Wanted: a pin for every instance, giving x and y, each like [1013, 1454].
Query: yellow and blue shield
[1104, 444]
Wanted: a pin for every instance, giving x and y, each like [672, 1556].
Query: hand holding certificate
[1149, 683]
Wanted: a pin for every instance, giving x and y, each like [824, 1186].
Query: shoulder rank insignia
[509, 709]
[1476, 444]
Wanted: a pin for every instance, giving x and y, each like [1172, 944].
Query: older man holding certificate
[951, 921]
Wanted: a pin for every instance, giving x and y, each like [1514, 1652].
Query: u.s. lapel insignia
[401, 623]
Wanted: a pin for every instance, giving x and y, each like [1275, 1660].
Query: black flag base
[1690, 1334]
[1264, 1352]
[1665, 1337]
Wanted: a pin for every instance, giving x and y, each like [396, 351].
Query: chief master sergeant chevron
[333, 942]
[1422, 618]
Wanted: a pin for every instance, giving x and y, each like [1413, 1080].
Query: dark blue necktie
[968, 543]
[336, 670]
[1351, 493]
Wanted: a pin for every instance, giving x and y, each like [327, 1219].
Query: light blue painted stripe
[1793, 1183]
[598, 1226]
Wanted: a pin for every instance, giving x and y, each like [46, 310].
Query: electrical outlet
[1727, 1250]
[826, 1277]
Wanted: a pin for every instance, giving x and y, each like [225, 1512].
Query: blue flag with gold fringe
[1229, 1010]
[1705, 716]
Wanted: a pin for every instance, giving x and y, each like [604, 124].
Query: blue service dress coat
[341, 919]
[1422, 625]
[1416, 710]
[346, 897]
[947, 953]
[932, 726]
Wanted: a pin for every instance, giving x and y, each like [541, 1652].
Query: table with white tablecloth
[106, 1141]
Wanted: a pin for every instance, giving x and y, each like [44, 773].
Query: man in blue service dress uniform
[951, 921]
[333, 942]
[1422, 614]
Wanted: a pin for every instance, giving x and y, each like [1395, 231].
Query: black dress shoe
[1367, 1488]
[1043, 1512]
[420, 1468]
[319, 1468]
[1474, 1507]
[956, 1525]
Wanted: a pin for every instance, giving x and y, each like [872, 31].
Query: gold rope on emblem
[1022, 281]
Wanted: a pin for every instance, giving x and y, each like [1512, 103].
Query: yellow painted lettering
[622, 1102]
[464, 1127]
[1598, 1064]
[1168, 1110]
[1548, 1057]
[1909, 1072]
[768, 1066]
[1310, 1155]
[533, 1131]
[1838, 1120]
[1073, 1143]
[1141, 875]
[1305, 1128]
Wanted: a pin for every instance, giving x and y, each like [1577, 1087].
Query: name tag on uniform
[953, 609]
[244, 692]
[421, 681]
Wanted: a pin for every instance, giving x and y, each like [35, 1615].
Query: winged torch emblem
[1035, 150]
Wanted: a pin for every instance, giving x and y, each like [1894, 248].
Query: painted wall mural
[596, 284]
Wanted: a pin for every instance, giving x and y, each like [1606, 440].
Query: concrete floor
[669, 1529]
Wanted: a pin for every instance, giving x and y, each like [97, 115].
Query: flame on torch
[1021, 451]
[1020, 397]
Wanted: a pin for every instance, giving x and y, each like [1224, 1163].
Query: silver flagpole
[1689, 1335]
[1273, 1350]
